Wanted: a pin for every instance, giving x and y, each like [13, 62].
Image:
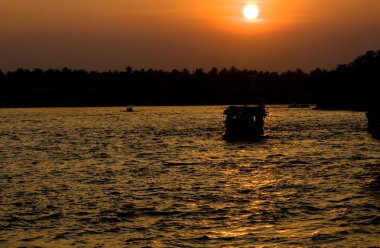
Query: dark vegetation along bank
[349, 86]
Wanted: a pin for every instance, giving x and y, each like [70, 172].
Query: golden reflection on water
[101, 177]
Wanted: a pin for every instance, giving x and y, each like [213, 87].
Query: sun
[251, 12]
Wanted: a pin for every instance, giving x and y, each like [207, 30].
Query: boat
[244, 122]
[129, 108]
[373, 118]
[299, 105]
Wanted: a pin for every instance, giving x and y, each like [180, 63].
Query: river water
[163, 177]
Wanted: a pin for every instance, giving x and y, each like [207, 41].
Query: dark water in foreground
[162, 177]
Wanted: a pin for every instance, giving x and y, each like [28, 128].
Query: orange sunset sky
[167, 34]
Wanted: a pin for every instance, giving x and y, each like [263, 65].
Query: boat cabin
[129, 108]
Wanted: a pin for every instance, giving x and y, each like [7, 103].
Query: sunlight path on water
[162, 176]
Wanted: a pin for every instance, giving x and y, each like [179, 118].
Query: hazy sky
[168, 34]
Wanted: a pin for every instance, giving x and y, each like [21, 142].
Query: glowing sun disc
[251, 12]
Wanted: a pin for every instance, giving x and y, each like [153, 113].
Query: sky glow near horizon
[169, 34]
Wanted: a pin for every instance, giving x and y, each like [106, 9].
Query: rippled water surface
[162, 177]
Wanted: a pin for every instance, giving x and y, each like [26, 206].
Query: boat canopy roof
[245, 110]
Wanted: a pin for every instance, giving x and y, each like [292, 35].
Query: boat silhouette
[244, 123]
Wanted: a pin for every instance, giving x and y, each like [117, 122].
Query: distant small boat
[129, 108]
[299, 105]
[374, 123]
[244, 123]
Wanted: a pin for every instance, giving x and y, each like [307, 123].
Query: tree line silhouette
[350, 86]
